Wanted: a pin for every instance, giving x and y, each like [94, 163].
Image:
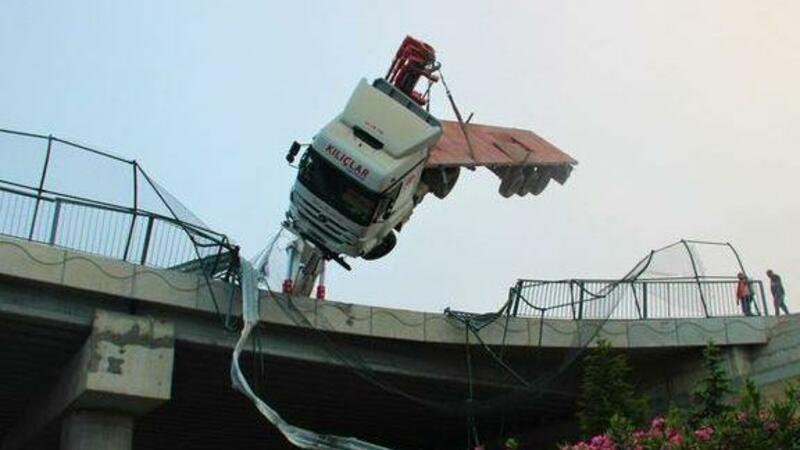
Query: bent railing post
[135, 208]
[738, 259]
[696, 277]
[514, 294]
[639, 312]
[741, 266]
[41, 186]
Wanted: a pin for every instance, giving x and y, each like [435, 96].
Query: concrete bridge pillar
[740, 366]
[123, 371]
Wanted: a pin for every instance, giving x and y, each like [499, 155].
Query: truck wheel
[382, 249]
[440, 180]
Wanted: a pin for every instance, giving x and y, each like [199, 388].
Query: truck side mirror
[293, 150]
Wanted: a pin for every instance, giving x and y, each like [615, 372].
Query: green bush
[714, 388]
[748, 424]
[606, 391]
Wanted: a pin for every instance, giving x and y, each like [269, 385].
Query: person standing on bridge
[778, 293]
[744, 296]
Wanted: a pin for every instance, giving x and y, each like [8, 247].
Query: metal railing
[126, 232]
[577, 299]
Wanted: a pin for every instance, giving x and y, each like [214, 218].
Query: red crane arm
[413, 60]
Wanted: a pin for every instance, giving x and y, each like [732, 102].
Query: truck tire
[440, 180]
[382, 249]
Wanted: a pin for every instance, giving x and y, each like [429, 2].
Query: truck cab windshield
[338, 190]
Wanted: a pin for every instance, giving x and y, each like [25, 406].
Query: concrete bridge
[97, 353]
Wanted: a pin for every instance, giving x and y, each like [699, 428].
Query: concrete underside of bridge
[101, 354]
[203, 411]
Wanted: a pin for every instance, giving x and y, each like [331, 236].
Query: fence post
[572, 298]
[639, 312]
[135, 209]
[696, 277]
[54, 225]
[580, 300]
[130, 236]
[763, 298]
[644, 300]
[147, 235]
[41, 186]
[669, 299]
[513, 294]
[541, 327]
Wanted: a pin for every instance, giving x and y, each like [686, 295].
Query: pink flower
[655, 434]
[771, 426]
[674, 437]
[742, 417]
[657, 424]
[602, 442]
[704, 434]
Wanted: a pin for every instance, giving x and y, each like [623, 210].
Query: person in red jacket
[744, 296]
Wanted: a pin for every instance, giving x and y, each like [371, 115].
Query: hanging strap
[301, 437]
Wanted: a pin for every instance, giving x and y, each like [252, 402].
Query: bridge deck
[187, 293]
[48, 299]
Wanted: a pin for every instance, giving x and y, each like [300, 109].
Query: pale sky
[684, 116]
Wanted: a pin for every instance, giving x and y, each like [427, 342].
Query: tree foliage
[606, 391]
[710, 395]
[750, 424]
[610, 411]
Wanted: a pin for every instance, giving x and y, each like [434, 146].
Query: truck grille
[329, 228]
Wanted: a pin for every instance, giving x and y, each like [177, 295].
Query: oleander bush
[713, 424]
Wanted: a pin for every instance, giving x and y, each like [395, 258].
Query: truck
[358, 180]
[363, 173]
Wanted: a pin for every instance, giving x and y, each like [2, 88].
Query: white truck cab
[358, 180]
